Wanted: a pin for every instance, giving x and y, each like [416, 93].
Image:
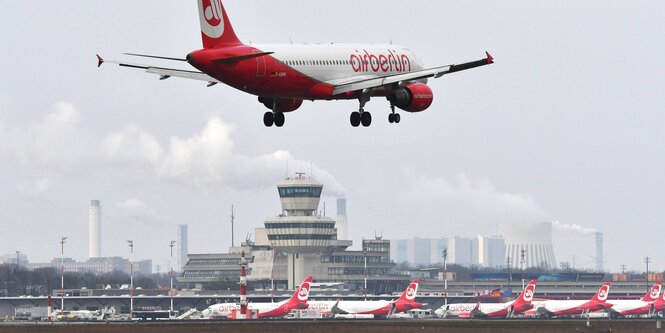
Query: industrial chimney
[95, 230]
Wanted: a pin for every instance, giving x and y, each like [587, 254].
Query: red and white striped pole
[48, 307]
[243, 285]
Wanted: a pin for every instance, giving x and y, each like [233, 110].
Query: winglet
[490, 59]
[100, 60]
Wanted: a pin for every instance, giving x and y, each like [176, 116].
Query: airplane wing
[164, 73]
[362, 82]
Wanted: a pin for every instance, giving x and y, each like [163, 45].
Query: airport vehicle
[284, 75]
[380, 308]
[266, 310]
[491, 310]
[637, 307]
[557, 308]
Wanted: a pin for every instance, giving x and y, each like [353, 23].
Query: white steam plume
[573, 228]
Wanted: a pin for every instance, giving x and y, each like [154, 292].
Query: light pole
[522, 262]
[510, 274]
[130, 243]
[365, 254]
[445, 277]
[62, 274]
[171, 274]
[647, 260]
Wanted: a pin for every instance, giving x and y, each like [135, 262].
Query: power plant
[535, 238]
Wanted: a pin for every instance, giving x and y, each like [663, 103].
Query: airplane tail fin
[409, 295]
[653, 294]
[300, 297]
[527, 294]
[603, 292]
[216, 29]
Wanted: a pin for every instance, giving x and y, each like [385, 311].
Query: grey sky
[567, 126]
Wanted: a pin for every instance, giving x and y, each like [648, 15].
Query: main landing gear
[275, 117]
[393, 117]
[365, 118]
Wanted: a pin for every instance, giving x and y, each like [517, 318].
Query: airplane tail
[603, 292]
[653, 294]
[216, 29]
[527, 294]
[300, 297]
[409, 295]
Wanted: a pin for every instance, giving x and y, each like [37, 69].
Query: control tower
[300, 231]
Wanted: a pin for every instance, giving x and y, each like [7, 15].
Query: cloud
[55, 141]
[205, 159]
[135, 210]
[573, 228]
[462, 205]
[34, 188]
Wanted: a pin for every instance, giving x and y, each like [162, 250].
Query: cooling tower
[535, 238]
[95, 230]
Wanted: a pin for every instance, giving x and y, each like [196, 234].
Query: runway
[338, 326]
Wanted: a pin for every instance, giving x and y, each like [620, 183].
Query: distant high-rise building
[418, 251]
[489, 251]
[460, 251]
[182, 245]
[341, 223]
[95, 229]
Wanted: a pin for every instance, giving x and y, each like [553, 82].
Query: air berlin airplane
[636, 307]
[556, 308]
[492, 310]
[283, 75]
[406, 302]
[266, 310]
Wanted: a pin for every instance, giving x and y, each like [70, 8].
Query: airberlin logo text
[363, 61]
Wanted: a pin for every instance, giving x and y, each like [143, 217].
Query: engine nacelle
[283, 105]
[413, 97]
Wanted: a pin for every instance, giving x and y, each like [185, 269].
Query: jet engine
[283, 105]
[414, 97]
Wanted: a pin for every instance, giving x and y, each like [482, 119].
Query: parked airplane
[280, 309]
[659, 304]
[283, 75]
[466, 310]
[381, 308]
[555, 308]
[637, 307]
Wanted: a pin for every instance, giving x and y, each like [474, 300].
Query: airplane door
[260, 65]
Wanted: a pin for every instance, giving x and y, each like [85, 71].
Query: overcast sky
[566, 126]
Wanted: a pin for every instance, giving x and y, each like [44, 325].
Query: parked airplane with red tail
[492, 310]
[284, 75]
[636, 307]
[556, 308]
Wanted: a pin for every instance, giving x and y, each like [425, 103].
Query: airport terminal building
[294, 244]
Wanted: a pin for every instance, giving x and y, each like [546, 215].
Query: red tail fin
[653, 294]
[216, 29]
[603, 292]
[527, 294]
[301, 295]
[409, 295]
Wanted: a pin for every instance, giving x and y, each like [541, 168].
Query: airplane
[284, 75]
[266, 310]
[659, 304]
[380, 308]
[637, 307]
[556, 308]
[491, 310]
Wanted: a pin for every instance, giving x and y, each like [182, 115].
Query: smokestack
[95, 230]
[341, 223]
[182, 245]
[599, 251]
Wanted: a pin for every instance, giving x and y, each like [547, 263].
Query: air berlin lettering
[363, 61]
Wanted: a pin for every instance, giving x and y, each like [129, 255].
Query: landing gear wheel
[279, 119]
[391, 118]
[366, 119]
[268, 119]
[397, 118]
[355, 119]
